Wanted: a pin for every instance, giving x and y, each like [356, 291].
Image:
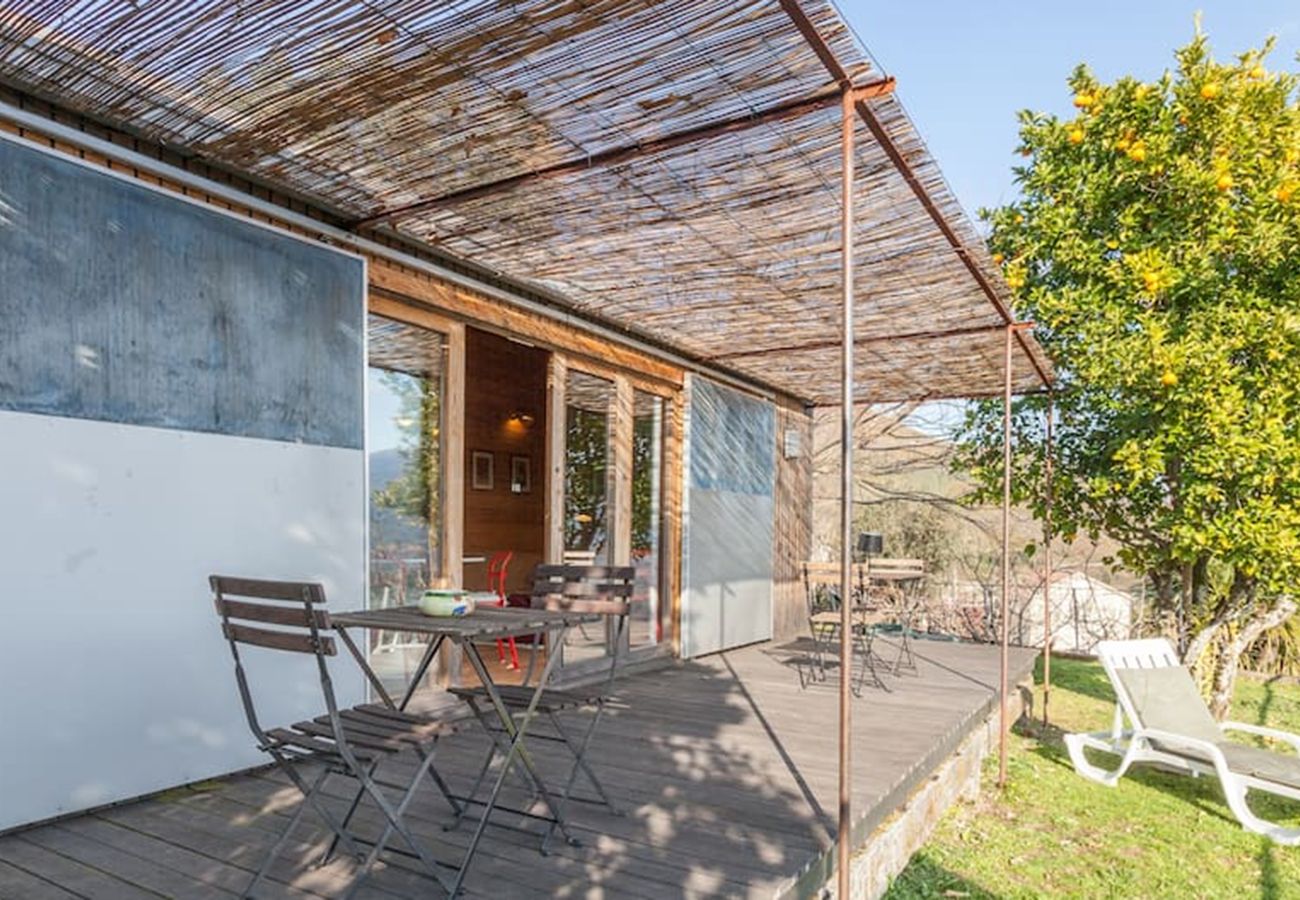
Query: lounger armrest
[1182, 741]
[1285, 737]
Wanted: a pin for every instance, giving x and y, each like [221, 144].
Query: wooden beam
[621, 436]
[491, 314]
[453, 452]
[842, 76]
[605, 158]
[556, 378]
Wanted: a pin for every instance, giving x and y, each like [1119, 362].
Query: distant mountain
[387, 526]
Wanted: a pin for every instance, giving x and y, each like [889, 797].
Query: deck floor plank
[724, 769]
[18, 884]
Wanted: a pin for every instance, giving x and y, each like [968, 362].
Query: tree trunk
[1195, 651]
[1229, 662]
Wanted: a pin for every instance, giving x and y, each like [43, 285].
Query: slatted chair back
[286, 616]
[602, 590]
[821, 582]
[893, 568]
[889, 582]
[1141, 653]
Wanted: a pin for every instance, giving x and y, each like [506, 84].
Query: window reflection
[586, 468]
[404, 384]
[647, 517]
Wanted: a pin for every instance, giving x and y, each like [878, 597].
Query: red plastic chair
[496, 577]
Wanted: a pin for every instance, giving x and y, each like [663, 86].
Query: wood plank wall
[792, 530]
[504, 377]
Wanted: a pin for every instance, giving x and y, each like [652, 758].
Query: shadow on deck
[725, 770]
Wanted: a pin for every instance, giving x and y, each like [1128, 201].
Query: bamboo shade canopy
[569, 145]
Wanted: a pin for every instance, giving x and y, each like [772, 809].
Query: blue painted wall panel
[122, 304]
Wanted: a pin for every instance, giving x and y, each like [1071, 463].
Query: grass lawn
[1054, 833]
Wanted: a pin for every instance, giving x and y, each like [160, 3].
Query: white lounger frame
[1133, 745]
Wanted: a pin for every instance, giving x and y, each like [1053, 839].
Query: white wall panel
[114, 677]
[727, 519]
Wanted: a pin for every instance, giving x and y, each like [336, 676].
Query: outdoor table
[484, 624]
[871, 610]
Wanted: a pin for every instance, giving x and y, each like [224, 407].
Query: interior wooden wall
[792, 530]
[502, 377]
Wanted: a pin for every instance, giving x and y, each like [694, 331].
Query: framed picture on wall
[480, 470]
[521, 474]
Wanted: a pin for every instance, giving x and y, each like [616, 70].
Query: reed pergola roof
[670, 168]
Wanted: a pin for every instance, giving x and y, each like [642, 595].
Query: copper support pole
[1047, 561]
[845, 832]
[1003, 725]
[840, 74]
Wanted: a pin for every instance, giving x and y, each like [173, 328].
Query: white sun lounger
[1169, 724]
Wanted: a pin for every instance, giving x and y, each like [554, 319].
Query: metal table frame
[484, 624]
[907, 585]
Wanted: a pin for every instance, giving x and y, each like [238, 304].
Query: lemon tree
[1156, 244]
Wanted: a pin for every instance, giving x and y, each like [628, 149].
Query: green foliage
[913, 530]
[415, 492]
[1156, 245]
[1053, 833]
[586, 474]
[645, 505]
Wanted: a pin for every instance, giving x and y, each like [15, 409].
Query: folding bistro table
[482, 625]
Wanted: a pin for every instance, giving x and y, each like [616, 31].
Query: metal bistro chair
[603, 590]
[822, 595]
[890, 592]
[497, 568]
[350, 742]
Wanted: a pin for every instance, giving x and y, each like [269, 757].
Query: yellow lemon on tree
[1169, 378]
[1285, 192]
[1076, 136]
[1223, 182]
[1210, 90]
[1257, 73]
[1151, 280]
[998, 258]
[1137, 152]
[1083, 100]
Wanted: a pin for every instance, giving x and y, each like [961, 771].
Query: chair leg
[347, 818]
[865, 641]
[288, 830]
[395, 824]
[1235, 790]
[579, 764]
[518, 766]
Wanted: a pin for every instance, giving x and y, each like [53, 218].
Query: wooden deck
[725, 769]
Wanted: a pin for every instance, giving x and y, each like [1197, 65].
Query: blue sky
[965, 68]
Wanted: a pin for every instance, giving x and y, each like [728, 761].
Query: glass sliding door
[588, 402]
[587, 469]
[646, 627]
[404, 429]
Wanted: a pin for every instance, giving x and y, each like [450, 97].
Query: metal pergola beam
[842, 76]
[862, 342]
[614, 156]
